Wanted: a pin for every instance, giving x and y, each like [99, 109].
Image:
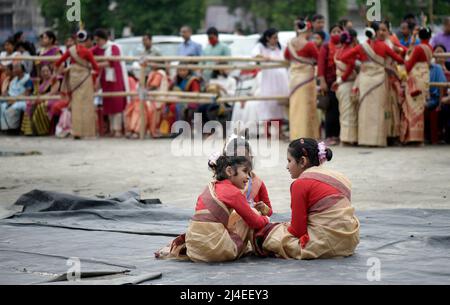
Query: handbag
[323, 102]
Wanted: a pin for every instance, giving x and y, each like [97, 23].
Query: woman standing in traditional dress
[79, 86]
[373, 91]
[348, 106]
[303, 55]
[323, 222]
[395, 90]
[417, 90]
[327, 76]
[113, 78]
[274, 82]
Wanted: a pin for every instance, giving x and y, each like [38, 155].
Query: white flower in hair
[322, 152]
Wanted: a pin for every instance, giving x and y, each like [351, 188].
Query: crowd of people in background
[369, 93]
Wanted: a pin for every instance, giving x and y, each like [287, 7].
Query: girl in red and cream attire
[323, 223]
[224, 222]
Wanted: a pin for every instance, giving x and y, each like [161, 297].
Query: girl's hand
[262, 208]
[398, 50]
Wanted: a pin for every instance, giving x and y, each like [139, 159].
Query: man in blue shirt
[188, 47]
[437, 75]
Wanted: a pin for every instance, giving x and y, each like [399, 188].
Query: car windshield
[131, 49]
[136, 48]
[167, 48]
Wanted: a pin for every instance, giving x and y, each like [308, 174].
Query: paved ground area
[382, 178]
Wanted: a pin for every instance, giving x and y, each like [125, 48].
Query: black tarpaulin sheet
[117, 237]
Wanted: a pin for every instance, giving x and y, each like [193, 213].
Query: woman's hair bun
[301, 24]
[425, 33]
[329, 154]
[370, 33]
[345, 38]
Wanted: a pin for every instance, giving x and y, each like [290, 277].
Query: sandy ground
[382, 178]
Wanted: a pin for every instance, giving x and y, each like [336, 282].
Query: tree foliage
[154, 16]
[167, 16]
[281, 14]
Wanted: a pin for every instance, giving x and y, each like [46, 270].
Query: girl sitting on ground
[224, 222]
[255, 190]
[323, 223]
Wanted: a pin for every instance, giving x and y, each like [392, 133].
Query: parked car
[133, 46]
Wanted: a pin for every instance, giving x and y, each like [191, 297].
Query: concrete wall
[26, 16]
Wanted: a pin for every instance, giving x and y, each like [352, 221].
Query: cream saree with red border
[412, 124]
[372, 130]
[80, 87]
[303, 119]
[215, 234]
[333, 228]
[348, 106]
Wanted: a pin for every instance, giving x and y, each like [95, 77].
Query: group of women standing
[375, 91]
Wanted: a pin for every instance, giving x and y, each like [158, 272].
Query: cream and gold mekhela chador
[303, 119]
[79, 85]
[372, 83]
[333, 228]
[348, 105]
[412, 125]
[216, 234]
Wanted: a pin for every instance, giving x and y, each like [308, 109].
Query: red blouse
[417, 56]
[305, 193]
[326, 64]
[339, 53]
[233, 198]
[83, 53]
[309, 51]
[357, 53]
